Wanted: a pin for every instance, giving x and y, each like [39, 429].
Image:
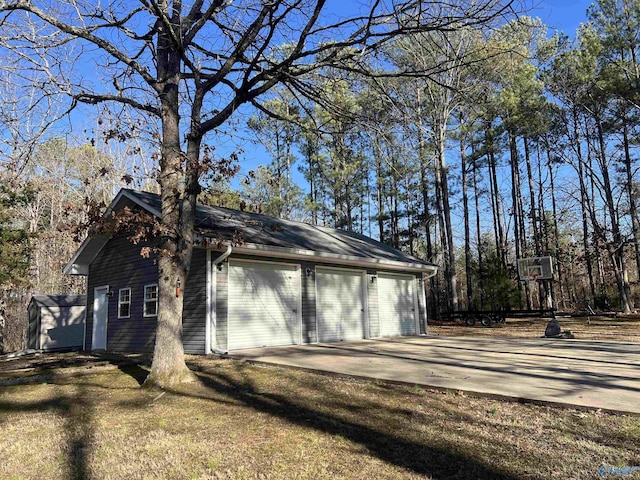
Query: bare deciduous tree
[190, 66]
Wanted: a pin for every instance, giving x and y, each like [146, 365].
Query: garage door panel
[340, 305]
[263, 305]
[396, 300]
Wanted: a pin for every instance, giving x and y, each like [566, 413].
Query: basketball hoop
[535, 268]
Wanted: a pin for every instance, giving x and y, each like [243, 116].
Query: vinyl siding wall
[372, 304]
[222, 304]
[34, 327]
[309, 313]
[195, 304]
[422, 309]
[120, 265]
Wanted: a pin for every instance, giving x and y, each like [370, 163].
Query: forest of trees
[498, 142]
[521, 143]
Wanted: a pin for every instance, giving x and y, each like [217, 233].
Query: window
[124, 303]
[150, 300]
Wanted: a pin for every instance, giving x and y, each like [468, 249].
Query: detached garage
[56, 322]
[284, 283]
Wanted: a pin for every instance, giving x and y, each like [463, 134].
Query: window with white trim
[150, 300]
[124, 303]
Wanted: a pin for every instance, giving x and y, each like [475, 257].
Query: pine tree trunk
[496, 201]
[467, 231]
[476, 194]
[452, 278]
[615, 248]
[632, 194]
[584, 202]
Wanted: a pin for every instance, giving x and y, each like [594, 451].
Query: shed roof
[59, 300]
[263, 235]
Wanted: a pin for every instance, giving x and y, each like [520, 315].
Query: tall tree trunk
[584, 203]
[516, 201]
[559, 257]
[632, 194]
[476, 195]
[467, 231]
[450, 258]
[501, 249]
[615, 248]
[380, 198]
[168, 367]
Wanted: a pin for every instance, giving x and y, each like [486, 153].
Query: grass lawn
[619, 329]
[246, 421]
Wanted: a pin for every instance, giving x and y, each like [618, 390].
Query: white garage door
[264, 305]
[396, 300]
[340, 305]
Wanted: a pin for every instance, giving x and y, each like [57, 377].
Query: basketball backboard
[535, 268]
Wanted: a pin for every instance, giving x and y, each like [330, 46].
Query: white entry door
[340, 304]
[397, 303]
[100, 315]
[264, 305]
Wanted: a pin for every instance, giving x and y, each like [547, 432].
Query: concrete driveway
[582, 373]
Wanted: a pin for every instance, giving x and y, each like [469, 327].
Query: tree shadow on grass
[78, 412]
[392, 447]
[135, 371]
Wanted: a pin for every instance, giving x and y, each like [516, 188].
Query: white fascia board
[73, 267]
[331, 258]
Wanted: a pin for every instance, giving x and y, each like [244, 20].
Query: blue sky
[564, 15]
[558, 15]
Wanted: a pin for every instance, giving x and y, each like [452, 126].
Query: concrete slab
[591, 374]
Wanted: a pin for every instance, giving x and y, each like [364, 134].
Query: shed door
[61, 327]
[100, 312]
[264, 305]
[340, 305]
[397, 304]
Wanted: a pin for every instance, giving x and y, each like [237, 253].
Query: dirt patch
[46, 361]
[620, 329]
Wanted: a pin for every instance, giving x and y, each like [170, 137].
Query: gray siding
[309, 326]
[33, 329]
[195, 304]
[120, 265]
[222, 306]
[372, 299]
[61, 328]
[421, 306]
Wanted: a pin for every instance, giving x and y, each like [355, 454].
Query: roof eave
[331, 258]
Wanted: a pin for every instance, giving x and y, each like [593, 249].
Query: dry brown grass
[245, 422]
[619, 329]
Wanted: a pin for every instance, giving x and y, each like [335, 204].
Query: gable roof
[265, 236]
[59, 300]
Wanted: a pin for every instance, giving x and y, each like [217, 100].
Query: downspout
[425, 277]
[224, 256]
[214, 265]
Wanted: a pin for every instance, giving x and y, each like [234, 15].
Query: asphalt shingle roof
[224, 223]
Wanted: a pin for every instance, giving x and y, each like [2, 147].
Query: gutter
[329, 258]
